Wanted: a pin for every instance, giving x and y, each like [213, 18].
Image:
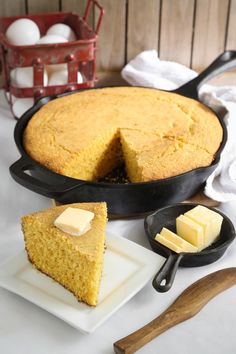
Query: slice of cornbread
[149, 156]
[136, 144]
[97, 159]
[74, 262]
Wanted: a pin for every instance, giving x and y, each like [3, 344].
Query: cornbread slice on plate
[74, 262]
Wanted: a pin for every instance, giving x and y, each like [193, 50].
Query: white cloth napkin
[146, 69]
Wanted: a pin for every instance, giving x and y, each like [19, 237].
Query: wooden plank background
[192, 32]
[176, 30]
[143, 23]
[111, 53]
[231, 29]
[210, 31]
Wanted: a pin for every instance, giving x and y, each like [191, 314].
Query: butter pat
[174, 242]
[209, 220]
[74, 221]
[190, 231]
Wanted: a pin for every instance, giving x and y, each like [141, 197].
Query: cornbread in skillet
[157, 134]
[74, 262]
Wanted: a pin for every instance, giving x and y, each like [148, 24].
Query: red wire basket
[79, 55]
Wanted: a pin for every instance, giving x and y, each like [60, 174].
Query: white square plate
[127, 268]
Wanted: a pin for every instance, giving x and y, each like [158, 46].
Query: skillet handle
[222, 63]
[167, 273]
[59, 184]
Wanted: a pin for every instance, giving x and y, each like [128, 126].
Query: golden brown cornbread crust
[74, 262]
[86, 134]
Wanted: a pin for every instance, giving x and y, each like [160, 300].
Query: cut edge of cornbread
[134, 172]
[97, 160]
[74, 262]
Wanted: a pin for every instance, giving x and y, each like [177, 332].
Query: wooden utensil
[187, 305]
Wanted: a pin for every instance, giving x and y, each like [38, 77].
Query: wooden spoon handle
[188, 304]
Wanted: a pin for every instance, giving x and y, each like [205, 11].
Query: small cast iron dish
[166, 217]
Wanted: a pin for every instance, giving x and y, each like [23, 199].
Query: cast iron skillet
[122, 199]
[166, 217]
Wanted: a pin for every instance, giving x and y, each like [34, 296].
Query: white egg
[24, 77]
[56, 67]
[21, 105]
[63, 30]
[61, 78]
[51, 38]
[23, 32]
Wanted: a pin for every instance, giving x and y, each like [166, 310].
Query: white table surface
[26, 328]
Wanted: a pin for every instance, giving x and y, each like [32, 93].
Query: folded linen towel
[146, 69]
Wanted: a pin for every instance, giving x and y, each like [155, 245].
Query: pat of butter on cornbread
[74, 221]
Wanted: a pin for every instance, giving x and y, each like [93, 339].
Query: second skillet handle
[51, 189]
[164, 279]
[224, 62]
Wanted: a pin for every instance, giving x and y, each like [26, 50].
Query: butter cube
[174, 242]
[74, 221]
[190, 231]
[210, 220]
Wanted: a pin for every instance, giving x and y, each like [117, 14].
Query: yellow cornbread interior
[74, 262]
[97, 159]
[149, 156]
[196, 229]
[156, 134]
